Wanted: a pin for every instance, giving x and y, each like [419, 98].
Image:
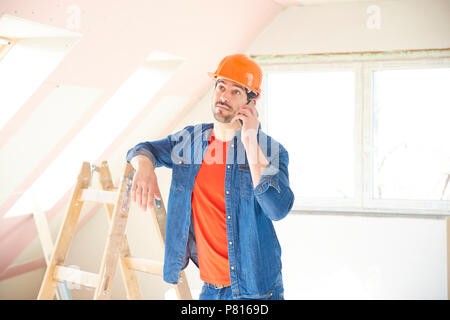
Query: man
[229, 181]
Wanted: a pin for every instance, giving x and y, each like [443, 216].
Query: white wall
[341, 257]
[354, 257]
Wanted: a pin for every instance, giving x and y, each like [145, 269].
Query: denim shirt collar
[205, 136]
[207, 129]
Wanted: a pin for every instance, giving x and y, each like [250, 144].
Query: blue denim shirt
[254, 252]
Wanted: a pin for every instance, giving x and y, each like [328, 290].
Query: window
[411, 114]
[365, 132]
[26, 66]
[134, 94]
[5, 45]
[317, 129]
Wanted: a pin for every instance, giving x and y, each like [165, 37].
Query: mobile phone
[252, 103]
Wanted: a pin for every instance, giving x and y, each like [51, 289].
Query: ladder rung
[101, 196]
[87, 279]
[145, 265]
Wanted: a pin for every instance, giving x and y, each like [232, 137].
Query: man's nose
[224, 96]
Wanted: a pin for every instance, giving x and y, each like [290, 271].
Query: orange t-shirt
[208, 207]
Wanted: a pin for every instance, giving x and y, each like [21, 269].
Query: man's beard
[217, 113]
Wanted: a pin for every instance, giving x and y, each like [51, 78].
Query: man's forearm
[256, 159]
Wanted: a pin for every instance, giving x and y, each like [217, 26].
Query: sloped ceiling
[116, 39]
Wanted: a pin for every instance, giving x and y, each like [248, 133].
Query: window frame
[4, 48]
[363, 64]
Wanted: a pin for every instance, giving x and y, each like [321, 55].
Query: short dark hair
[251, 95]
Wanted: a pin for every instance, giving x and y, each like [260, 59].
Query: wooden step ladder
[117, 204]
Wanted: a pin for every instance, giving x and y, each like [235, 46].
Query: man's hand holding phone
[250, 125]
[247, 116]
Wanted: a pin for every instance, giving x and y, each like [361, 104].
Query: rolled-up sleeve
[159, 152]
[273, 192]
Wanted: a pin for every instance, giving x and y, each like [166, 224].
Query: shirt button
[260, 189]
[274, 183]
[184, 236]
[232, 268]
[229, 217]
[227, 192]
[181, 258]
[230, 242]
[228, 166]
[180, 162]
[232, 145]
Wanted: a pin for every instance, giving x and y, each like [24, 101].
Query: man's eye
[237, 92]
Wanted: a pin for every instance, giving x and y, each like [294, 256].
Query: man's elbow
[286, 208]
[280, 209]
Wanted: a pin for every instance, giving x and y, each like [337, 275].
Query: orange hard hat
[241, 69]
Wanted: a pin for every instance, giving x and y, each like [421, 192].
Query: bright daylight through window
[363, 136]
[312, 115]
[411, 113]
